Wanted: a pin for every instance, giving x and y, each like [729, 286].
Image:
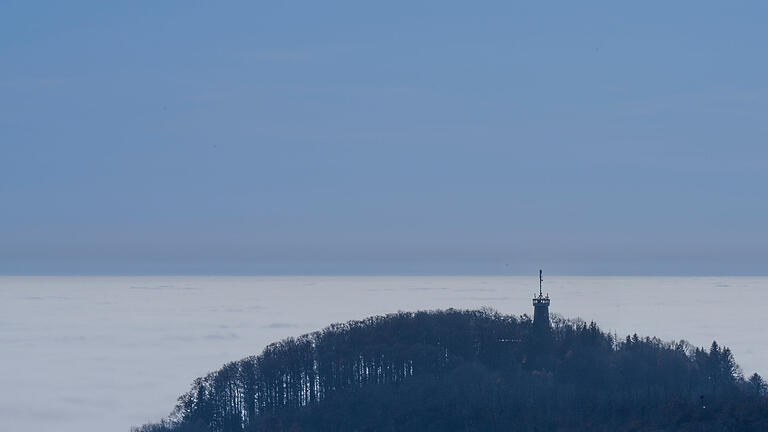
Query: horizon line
[213, 274]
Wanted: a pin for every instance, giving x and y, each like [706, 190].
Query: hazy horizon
[532, 275]
[396, 138]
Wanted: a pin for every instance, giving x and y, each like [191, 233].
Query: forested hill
[461, 370]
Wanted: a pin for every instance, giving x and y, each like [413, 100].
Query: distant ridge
[477, 370]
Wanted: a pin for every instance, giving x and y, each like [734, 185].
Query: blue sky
[402, 137]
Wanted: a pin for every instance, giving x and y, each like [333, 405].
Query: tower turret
[541, 307]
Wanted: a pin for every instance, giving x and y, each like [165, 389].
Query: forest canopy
[473, 370]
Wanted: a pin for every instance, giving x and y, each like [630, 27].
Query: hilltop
[473, 370]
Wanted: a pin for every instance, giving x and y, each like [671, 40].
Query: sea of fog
[105, 353]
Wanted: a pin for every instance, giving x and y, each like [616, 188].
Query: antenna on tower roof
[541, 279]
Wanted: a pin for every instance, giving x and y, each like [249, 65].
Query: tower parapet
[541, 307]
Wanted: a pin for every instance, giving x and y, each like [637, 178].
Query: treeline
[473, 370]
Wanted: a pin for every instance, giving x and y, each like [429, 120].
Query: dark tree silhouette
[758, 385]
[460, 370]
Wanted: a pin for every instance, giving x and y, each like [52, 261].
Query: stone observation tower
[541, 307]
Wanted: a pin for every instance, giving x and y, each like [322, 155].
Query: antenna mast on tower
[540, 281]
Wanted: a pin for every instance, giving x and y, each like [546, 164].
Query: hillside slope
[458, 370]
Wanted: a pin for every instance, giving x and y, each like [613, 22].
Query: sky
[383, 138]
